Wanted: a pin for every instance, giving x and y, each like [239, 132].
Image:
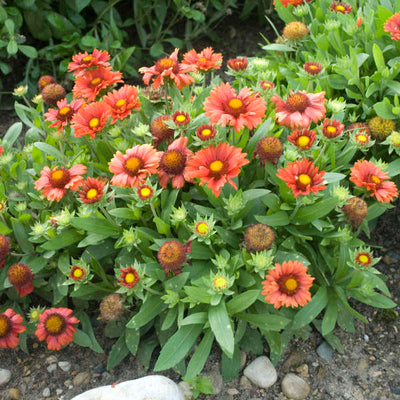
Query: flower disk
[171, 256]
[258, 237]
[332, 128]
[21, 277]
[129, 277]
[356, 209]
[160, 130]
[303, 139]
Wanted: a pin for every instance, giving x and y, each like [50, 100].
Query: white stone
[65, 365]
[152, 387]
[5, 376]
[295, 387]
[52, 367]
[46, 392]
[261, 372]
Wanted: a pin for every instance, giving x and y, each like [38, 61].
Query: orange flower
[129, 277]
[313, 68]
[168, 68]
[204, 61]
[300, 109]
[216, 166]
[303, 139]
[1, 152]
[173, 163]
[302, 177]
[367, 174]
[92, 190]
[160, 130]
[122, 101]
[82, 61]
[10, 328]
[54, 183]
[332, 128]
[205, 132]
[92, 81]
[132, 168]
[45, 80]
[364, 259]
[21, 277]
[294, 3]
[238, 64]
[171, 256]
[341, 7]
[91, 119]
[64, 113]
[288, 285]
[4, 246]
[225, 107]
[392, 26]
[359, 21]
[56, 326]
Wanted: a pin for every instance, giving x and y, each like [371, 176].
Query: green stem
[298, 204]
[321, 152]
[107, 215]
[150, 290]
[153, 210]
[62, 152]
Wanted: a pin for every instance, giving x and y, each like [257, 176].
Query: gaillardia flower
[216, 166]
[180, 118]
[302, 177]
[356, 209]
[294, 3]
[258, 237]
[332, 128]
[82, 61]
[4, 246]
[312, 68]
[168, 68]
[62, 115]
[145, 192]
[77, 273]
[205, 132]
[288, 284]
[10, 328]
[45, 80]
[92, 190]
[128, 277]
[238, 64]
[295, 30]
[160, 130]
[52, 93]
[55, 183]
[268, 149]
[303, 139]
[300, 109]
[364, 259]
[56, 326]
[132, 168]
[112, 308]
[21, 276]
[392, 26]
[381, 128]
[225, 107]
[204, 61]
[341, 7]
[266, 85]
[367, 174]
[171, 256]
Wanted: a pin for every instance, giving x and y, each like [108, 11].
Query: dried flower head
[381, 128]
[171, 256]
[52, 93]
[21, 276]
[295, 30]
[355, 210]
[160, 130]
[112, 308]
[258, 237]
[268, 149]
[44, 81]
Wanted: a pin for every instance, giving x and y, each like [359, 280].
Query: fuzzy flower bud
[112, 308]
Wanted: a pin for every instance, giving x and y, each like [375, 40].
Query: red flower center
[59, 178]
[288, 284]
[133, 165]
[297, 102]
[173, 162]
[19, 275]
[5, 326]
[235, 107]
[55, 324]
[165, 64]
[217, 168]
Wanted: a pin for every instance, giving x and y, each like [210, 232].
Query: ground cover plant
[193, 211]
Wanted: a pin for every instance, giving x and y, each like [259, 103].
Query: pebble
[65, 365]
[68, 383]
[151, 387]
[295, 358]
[366, 338]
[215, 378]
[245, 383]
[82, 378]
[233, 391]
[362, 365]
[295, 387]
[99, 369]
[303, 370]
[243, 359]
[186, 390]
[261, 372]
[5, 376]
[58, 391]
[51, 359]
[52, 367]
[325, 351]
[14, 394]
[46, 392]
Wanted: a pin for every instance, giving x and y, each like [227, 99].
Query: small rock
[106, 375]
[58, 391]
[82, 378]
[14, 394]
[215, 378]
[65, 365]
[303, 370]
[243, 359]
[186, 389]
[362, 365]
[35, 345]
[295, 358]
[233, 391]
[5, 376]
[245, 383]
[46, 392]
[224, 397]
[261, 372]
[52, 367]
[366, 338]
[321, 373]
[325, 351]
[388, 260]
[51, 359]
[68, 383]
[99, 369]
[295, 387]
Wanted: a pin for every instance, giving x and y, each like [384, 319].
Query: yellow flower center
[120, 102]
[64, 110]
[78, 273]
[92, 193]
[395, 139]
[57, 175]
[145, 192]
[94, 123]
[202, 228]
[4, 326]
[86, 59]
[235, 103]
[181, 118]
[340, 8]
[130, 277]
[331, 129]
[167, 63]
[216, 166]
[206, 132]
[363, 259]
[303, 141]
[362, 138]
[202, 59]
[35, 315]
[133, 164]
[54, 324]
[172, 159]
[95, 81]
[291, 284]
[304, 179]
[375, 179]
[220, 283]
[312, 67]
[297, 102]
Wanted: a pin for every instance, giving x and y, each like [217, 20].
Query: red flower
[303, 139]
[332, 128]
[205, 132]
[302, 177]
[341, 7]
[82, 61]
[21, 277]
[238, 64]
[225, 107]
[92, 190]
[122, 101]
[364, 259]
[10, 328]
[300, 109]
[204, 61]
[168, 68]
[367, 174]
[54, 183]
[173, 163]
[392, 26]
[294, 3]
[45, 80]
[359, 21]
[91, 119]
[288, 285]
[129, 277]
[90, 83]
[56, 326]
[132, 168]
[313, 68]
[145, 192]
[216, 166]
[267, 85]
[77, 273]
[4, 246]
[180, 118]
[64, 113]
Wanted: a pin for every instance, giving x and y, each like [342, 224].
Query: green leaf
[12, 47]
[169, 318]
[278, 47]
[178, 346]
[242, 301]
[150, 308]
[384, 110]
[252, 341]
[311, 310]
[63, 240]
[266, 322]
[22, 237]
[118, 352]
[320, 209]
[331, 177]
[95, 225]
[221, 326]
[29, 51]
[200, 251]
[50, 150]
[156, 50]
[330, 317]
[197, 295]
[11, 135]
[337, 81]
[373, 299]
[378, 57]
[87, 328]
[200, 356]
[125, 213]
[196, 318]
[230, 367]
[10, 26]
[279, 218]
[393, 168]
[132, 337]
[253, 194]
[82, 339]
